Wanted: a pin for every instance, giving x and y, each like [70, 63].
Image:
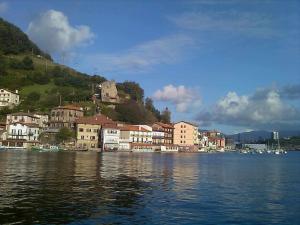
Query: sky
[232, 65]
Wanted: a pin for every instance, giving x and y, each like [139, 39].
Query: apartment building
[21, 135]
[88, 131]
[110, 137]
[65, 116]
[168, 130]
[185, 134]
[9, 98]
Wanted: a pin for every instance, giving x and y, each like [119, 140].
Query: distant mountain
[14, 41]
[260, 135]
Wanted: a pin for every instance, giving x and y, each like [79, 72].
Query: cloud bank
[182, 97]
[227, 21]
[53, 33]
[165, 50]
[268, 108]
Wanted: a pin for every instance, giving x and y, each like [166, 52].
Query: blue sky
[232, 65]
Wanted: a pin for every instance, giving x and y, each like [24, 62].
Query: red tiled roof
[133, 128]
[165, 125]
[111, 126]
[70, 107]
[24, 114]
[95, 120]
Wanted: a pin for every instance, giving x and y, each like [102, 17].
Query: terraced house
[88, 131]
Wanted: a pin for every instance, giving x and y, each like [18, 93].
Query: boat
[46, 148]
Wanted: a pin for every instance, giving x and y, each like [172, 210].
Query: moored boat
[47, 148]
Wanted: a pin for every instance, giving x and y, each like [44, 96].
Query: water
[145, 188]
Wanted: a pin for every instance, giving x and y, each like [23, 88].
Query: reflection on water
[124, 188]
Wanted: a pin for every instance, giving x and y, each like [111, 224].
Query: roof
[165, 125]
[133, 128]
[24, 114]
[70, 107]
[187, 123]
[111, 126]
[94, 120]
[142, 144]
[13, 92]
[27, 124]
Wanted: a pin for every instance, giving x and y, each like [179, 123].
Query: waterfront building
[136, 134]
[212, 139]
[167, 129]
[110, 137]
[65, 116]
[88, 131]
[158, 134]
[21, 135]
[185, 134]
[8, 98]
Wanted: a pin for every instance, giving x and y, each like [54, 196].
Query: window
[95, 130]
[82, 137]
[80, 129]
[88, 130]
[92, 138]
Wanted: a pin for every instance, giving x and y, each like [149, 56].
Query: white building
[21, 135]
[22, 117]
[275, 135]
[28, 132]
[136, 134]
[110, 137]
[9, 98]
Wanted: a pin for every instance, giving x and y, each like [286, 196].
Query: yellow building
[185, 134]
[88, 130]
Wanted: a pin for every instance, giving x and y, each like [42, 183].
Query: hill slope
[14, 41]
[43, 84]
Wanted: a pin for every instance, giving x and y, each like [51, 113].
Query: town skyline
[230, 65]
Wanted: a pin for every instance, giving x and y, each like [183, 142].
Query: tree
[3, 65]
[131, 112]
[133, 89]
[151, 108]
[33, 96]
[166, 116]
[27, 63]
[64, 134]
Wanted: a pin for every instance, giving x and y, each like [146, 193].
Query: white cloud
[53, 33]
[227, 21]
[3, 7]
[182, 97]
[165, 50]
[265, 109]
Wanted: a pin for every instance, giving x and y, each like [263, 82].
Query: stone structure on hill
[107, 92]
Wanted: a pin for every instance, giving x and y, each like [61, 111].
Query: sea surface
[149, 188]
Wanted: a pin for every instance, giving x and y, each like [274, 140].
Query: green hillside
[44, 84]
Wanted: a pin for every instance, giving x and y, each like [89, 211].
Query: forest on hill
[44, 84]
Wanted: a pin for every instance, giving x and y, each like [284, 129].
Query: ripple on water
[93, 188]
